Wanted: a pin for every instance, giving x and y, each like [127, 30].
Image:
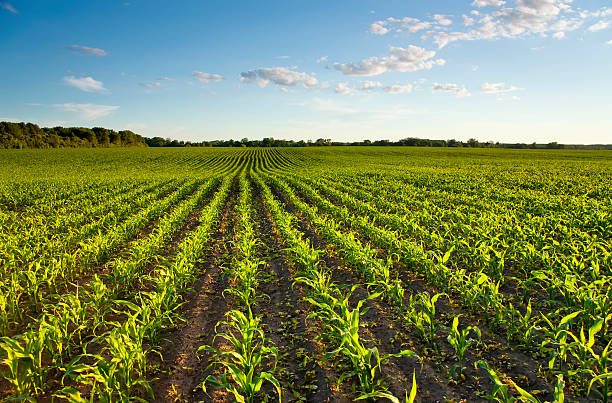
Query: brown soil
[496, 350]
[433, 380]
[182, 371]
[284, 318]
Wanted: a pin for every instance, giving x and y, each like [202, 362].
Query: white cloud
[409, 24]
[88, 111]
[322, 59]
[412, 58]
[166, 79]
[468, 21]
[207, 77]
[443, 19]
[9, 7]
[154, 84]
[87, 84]
[599, 26]
[559, 35]
[370, 85]
[523, 18]
[12, 120]
[609, 42]
[279, 76]
[488, 3]
[343, 88]
[459, 91]
[412, 24]
[497, 88]
[87, 50]
[377, 28]
[398, 89]
[283, 57]
[602, 12]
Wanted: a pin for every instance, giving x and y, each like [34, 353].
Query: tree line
[409, 141]
[29, 135]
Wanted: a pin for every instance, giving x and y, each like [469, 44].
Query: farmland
[306, 274]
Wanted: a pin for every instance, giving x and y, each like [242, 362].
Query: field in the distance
[325, 274]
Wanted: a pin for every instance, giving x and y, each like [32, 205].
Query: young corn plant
[423, 317]
[556, 335]
[243, 375]
[502, 392]
[582, 350]
[521, 327]
[342, 324]
[604, 375]
[460, 341]
[385, 395]
[24, 361]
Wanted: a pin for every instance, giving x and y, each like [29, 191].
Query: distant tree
[453, 143]
[554, 145]
[156, 142]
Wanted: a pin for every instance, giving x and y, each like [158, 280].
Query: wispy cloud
[207, 77]
[166, 79]
[412, 58]
[154, 84]
[370, 85]
[87, 84]
[599, 26]
[459, 91]
[344, 88]
[443, 19]
[86, 50]
[501, 19]
[278, 75]
[497, 88]
[398, 89]
[322, 59]
[409, 24]
[488, 3]
[88, 111]
[9, 7]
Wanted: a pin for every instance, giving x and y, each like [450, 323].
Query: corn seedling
[460, 342]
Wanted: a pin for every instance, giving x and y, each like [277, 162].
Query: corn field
[319, 274]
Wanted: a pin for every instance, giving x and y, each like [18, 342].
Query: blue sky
[510, 71]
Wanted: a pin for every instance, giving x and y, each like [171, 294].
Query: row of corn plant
[62, 329]
[249, 360]
[120, 370]
[341, 321]
[523, 326]
[43, 277]
[419, 312]
[576, 284]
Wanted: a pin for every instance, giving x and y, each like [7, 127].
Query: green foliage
[97, 248]
[243, 375]
[460, 341]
